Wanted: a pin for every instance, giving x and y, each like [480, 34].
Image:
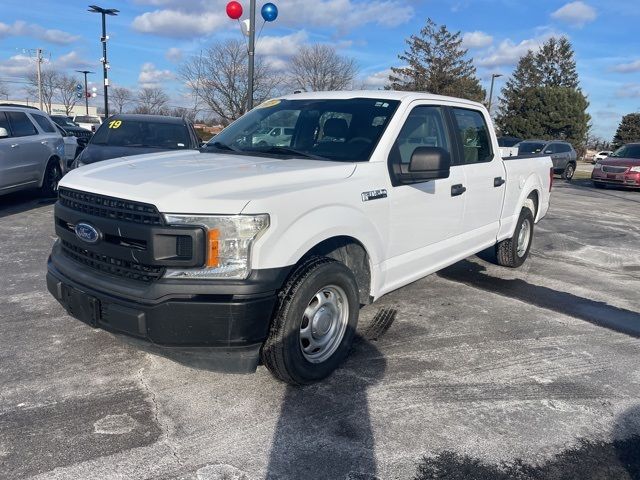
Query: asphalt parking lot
[484, 373]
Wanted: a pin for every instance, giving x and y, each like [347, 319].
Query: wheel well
[352, 253]
[534, 197]
[52, 158]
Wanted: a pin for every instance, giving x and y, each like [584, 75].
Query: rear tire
[599, 185]
[513, 251]
[52, 176]
[314, 324]
[569, 172]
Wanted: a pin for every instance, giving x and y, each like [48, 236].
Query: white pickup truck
[266, 253]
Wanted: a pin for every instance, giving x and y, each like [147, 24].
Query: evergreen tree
[628, 130]
[436, 64]
[543, 99]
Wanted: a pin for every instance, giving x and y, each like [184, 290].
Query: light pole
[105, 65]
[86, 92]
[493, 78]
[252, 51]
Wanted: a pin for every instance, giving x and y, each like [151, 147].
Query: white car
[276, 136]
[70, 146]
[88, 122]
[601, 155]
[268, 252]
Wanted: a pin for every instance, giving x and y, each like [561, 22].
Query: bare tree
[65, 92]
[320, 68]
[218, 77]
[186, 113]
[152, 100]
[50, 79]
[4, 90]
[120, 97]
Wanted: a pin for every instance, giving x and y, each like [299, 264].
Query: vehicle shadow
[617, 459]
[324, 430]
[19, 202]
[612, 191]
[598, 313]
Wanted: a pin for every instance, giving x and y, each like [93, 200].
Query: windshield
[530, 147]
[341, 130]
[63, 121]
[85, 119]
[139, 133]
[627, 151]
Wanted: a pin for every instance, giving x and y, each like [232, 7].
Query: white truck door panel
[485, 176]
[423, 216]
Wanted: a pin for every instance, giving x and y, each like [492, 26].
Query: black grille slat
[111, 265]
[109, 207]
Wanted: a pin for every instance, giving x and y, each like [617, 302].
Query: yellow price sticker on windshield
[115, 124]
[269, 103]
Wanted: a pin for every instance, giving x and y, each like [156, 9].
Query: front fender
[286, 242]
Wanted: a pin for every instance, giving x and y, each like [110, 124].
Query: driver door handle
[458, 189]
[498, 181]
[44, 142]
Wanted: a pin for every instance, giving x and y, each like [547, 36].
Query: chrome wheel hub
[324, 323]
[524, 237]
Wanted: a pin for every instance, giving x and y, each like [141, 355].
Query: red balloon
[234, 10]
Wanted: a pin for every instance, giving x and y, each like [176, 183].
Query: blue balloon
[269, 12]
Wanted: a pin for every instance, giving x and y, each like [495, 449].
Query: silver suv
[31, 150]
[562, 154]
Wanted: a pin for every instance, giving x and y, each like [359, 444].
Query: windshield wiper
[289, 151]
[223, 146]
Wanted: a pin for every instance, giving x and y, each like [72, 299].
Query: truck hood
[203, 183]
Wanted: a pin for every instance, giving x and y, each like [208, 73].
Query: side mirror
[427, 163]
[3, 133]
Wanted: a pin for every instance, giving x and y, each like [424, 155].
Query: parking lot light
[105, 64]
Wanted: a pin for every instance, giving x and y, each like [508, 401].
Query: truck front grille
[112, 266]
[109, 207]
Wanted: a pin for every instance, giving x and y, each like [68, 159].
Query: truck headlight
[229, 239]
[634, 169]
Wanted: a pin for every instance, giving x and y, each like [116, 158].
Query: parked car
[601, 155]
[276, 136]
[88, 122]
[125, 135]
[562, 154]
[73, 128]
[31, 150]
[621, 168]
[71, 147]
[268, 252]
[508, 142]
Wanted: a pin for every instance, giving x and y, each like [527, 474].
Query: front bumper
[627, 180]
[170, 317]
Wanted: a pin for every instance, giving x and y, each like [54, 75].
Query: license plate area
[80, 305]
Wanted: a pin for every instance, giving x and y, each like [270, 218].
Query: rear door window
[21, 126]
[4, 123]
[473, 133]
[44, 123]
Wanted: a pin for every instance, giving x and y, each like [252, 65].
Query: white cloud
[627, 67]
[174, 54]
[377, 80]
[629, 90]
[577, 14]
[508, 53]
[476, 39]
[174, 23]
[286, 45]
[150, 76]
[189, 19]
[23, 29]
[17, 66]
[72, 60]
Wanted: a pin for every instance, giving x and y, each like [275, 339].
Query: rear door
[32, 149]
[8, 156]
[485, 177]
[424, 217]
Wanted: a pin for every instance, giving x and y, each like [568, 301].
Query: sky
[150, 38]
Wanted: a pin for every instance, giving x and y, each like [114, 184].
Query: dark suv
[562, 153]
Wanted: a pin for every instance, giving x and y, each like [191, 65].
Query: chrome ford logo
[87, 233]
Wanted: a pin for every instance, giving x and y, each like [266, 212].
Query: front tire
[52, 176]
[569, 172]
[513, 251]
[314, 324]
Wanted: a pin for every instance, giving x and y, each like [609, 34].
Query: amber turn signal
[213, 248]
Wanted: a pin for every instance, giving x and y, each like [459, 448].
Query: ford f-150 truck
[266, 253]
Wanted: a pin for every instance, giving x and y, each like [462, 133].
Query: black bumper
[196, 316]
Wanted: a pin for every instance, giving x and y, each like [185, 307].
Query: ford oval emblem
[87, 233]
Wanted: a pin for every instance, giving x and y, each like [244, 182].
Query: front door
[424, 217]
